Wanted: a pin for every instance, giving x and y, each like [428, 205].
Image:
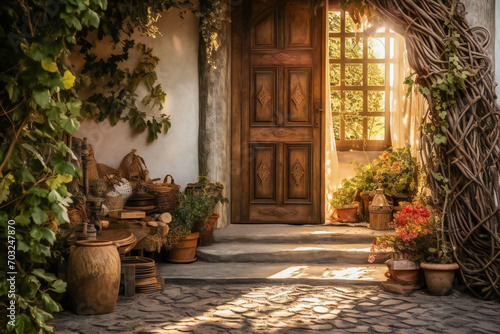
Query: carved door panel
[278, 178]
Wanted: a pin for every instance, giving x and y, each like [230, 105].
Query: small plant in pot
[212, 193]
[182, 243]
[343, 202]
[404, 246]
[439, 266]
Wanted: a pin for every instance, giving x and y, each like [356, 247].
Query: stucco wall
[177, 152]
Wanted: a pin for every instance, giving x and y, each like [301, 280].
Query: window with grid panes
[360, 67]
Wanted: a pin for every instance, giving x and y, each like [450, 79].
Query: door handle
[319, 112]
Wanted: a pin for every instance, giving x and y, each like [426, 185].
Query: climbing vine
[42, 99]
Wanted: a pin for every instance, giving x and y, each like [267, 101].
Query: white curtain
[406, 110]
[332, 175]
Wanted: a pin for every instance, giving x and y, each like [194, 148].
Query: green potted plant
[439, 266]
[213, 194]
[343, 202]
[192, 207]
[404, 246]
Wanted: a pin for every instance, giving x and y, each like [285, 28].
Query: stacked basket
[166, 193]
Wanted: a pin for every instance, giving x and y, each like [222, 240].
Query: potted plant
[404, 246]
[213, 195]
[439, 266]
[343, 202]
[182, 242]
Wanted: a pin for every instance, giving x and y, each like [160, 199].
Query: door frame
[238, 58]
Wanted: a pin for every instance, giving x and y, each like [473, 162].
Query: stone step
[287, 273]
[287, 253]
[282, 233]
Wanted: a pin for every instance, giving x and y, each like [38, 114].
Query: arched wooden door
[277, 77]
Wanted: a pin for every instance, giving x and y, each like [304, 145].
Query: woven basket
[114, 201]
[167, 193]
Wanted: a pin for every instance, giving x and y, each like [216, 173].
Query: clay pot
[439, 277]
[403, 271]
[206, 229]
[185, 250]
[93, 277]
[347, 214]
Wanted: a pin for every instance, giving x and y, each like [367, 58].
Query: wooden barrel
[93, 277]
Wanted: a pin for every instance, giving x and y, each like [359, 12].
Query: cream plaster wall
[177, 152]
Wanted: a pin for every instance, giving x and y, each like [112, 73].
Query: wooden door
[277, 118]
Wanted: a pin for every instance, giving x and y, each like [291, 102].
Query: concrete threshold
[286, 273]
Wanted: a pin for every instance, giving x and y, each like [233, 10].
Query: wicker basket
[114, 201]
[167, 193]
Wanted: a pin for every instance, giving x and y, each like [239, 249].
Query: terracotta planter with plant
[343, 202]
[206, 229]
[439, 266]
[185, 250]
[412, 226]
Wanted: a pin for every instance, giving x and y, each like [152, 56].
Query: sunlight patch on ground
[352, 273]
[289, 272]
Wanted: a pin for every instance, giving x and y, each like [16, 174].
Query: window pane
[376, 101]
[335, 74]
[353, 101]
[353, 75]
[350, 26]
[336, 127]
[376, 128]
[334, 22]
[334, 48]
[376, 75]
[353, 127]
[335, 101]
[354, 48]
[376, 48]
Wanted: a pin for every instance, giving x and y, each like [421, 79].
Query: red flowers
[411, 224]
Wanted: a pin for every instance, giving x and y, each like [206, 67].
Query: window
[360, 67]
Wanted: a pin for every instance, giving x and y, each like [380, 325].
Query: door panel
[264, 96]
[264, 32]
[298, 177]
[298, 96]
[264, 173]
[277, 78]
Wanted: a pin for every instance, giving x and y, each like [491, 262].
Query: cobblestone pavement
[287, 309]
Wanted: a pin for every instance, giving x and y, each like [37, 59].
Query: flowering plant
[344, 196]
[412, 226]
[395, 171]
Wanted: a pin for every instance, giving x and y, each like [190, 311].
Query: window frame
[363, 144]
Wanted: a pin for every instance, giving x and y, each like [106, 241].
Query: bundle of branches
[461, 138]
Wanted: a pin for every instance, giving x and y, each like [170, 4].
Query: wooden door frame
[238, 108]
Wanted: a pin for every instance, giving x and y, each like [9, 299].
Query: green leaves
[42, 97]
[49, 67]
[39, 216]
[5, 183]
[440, 139]
[439, 177]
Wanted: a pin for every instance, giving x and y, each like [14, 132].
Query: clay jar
[93, 277]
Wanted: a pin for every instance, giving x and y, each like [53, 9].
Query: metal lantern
[380, 212]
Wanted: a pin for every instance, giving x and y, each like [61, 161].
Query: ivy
[41, 100]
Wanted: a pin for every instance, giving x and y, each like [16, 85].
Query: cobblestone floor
[287, 309]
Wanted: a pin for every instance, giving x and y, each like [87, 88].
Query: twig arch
[470, 159]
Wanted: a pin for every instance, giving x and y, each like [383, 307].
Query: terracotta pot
[206, 229]
[348, 214]
[439, 277]
[185, 250]
[93, 276]
[403, 271]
